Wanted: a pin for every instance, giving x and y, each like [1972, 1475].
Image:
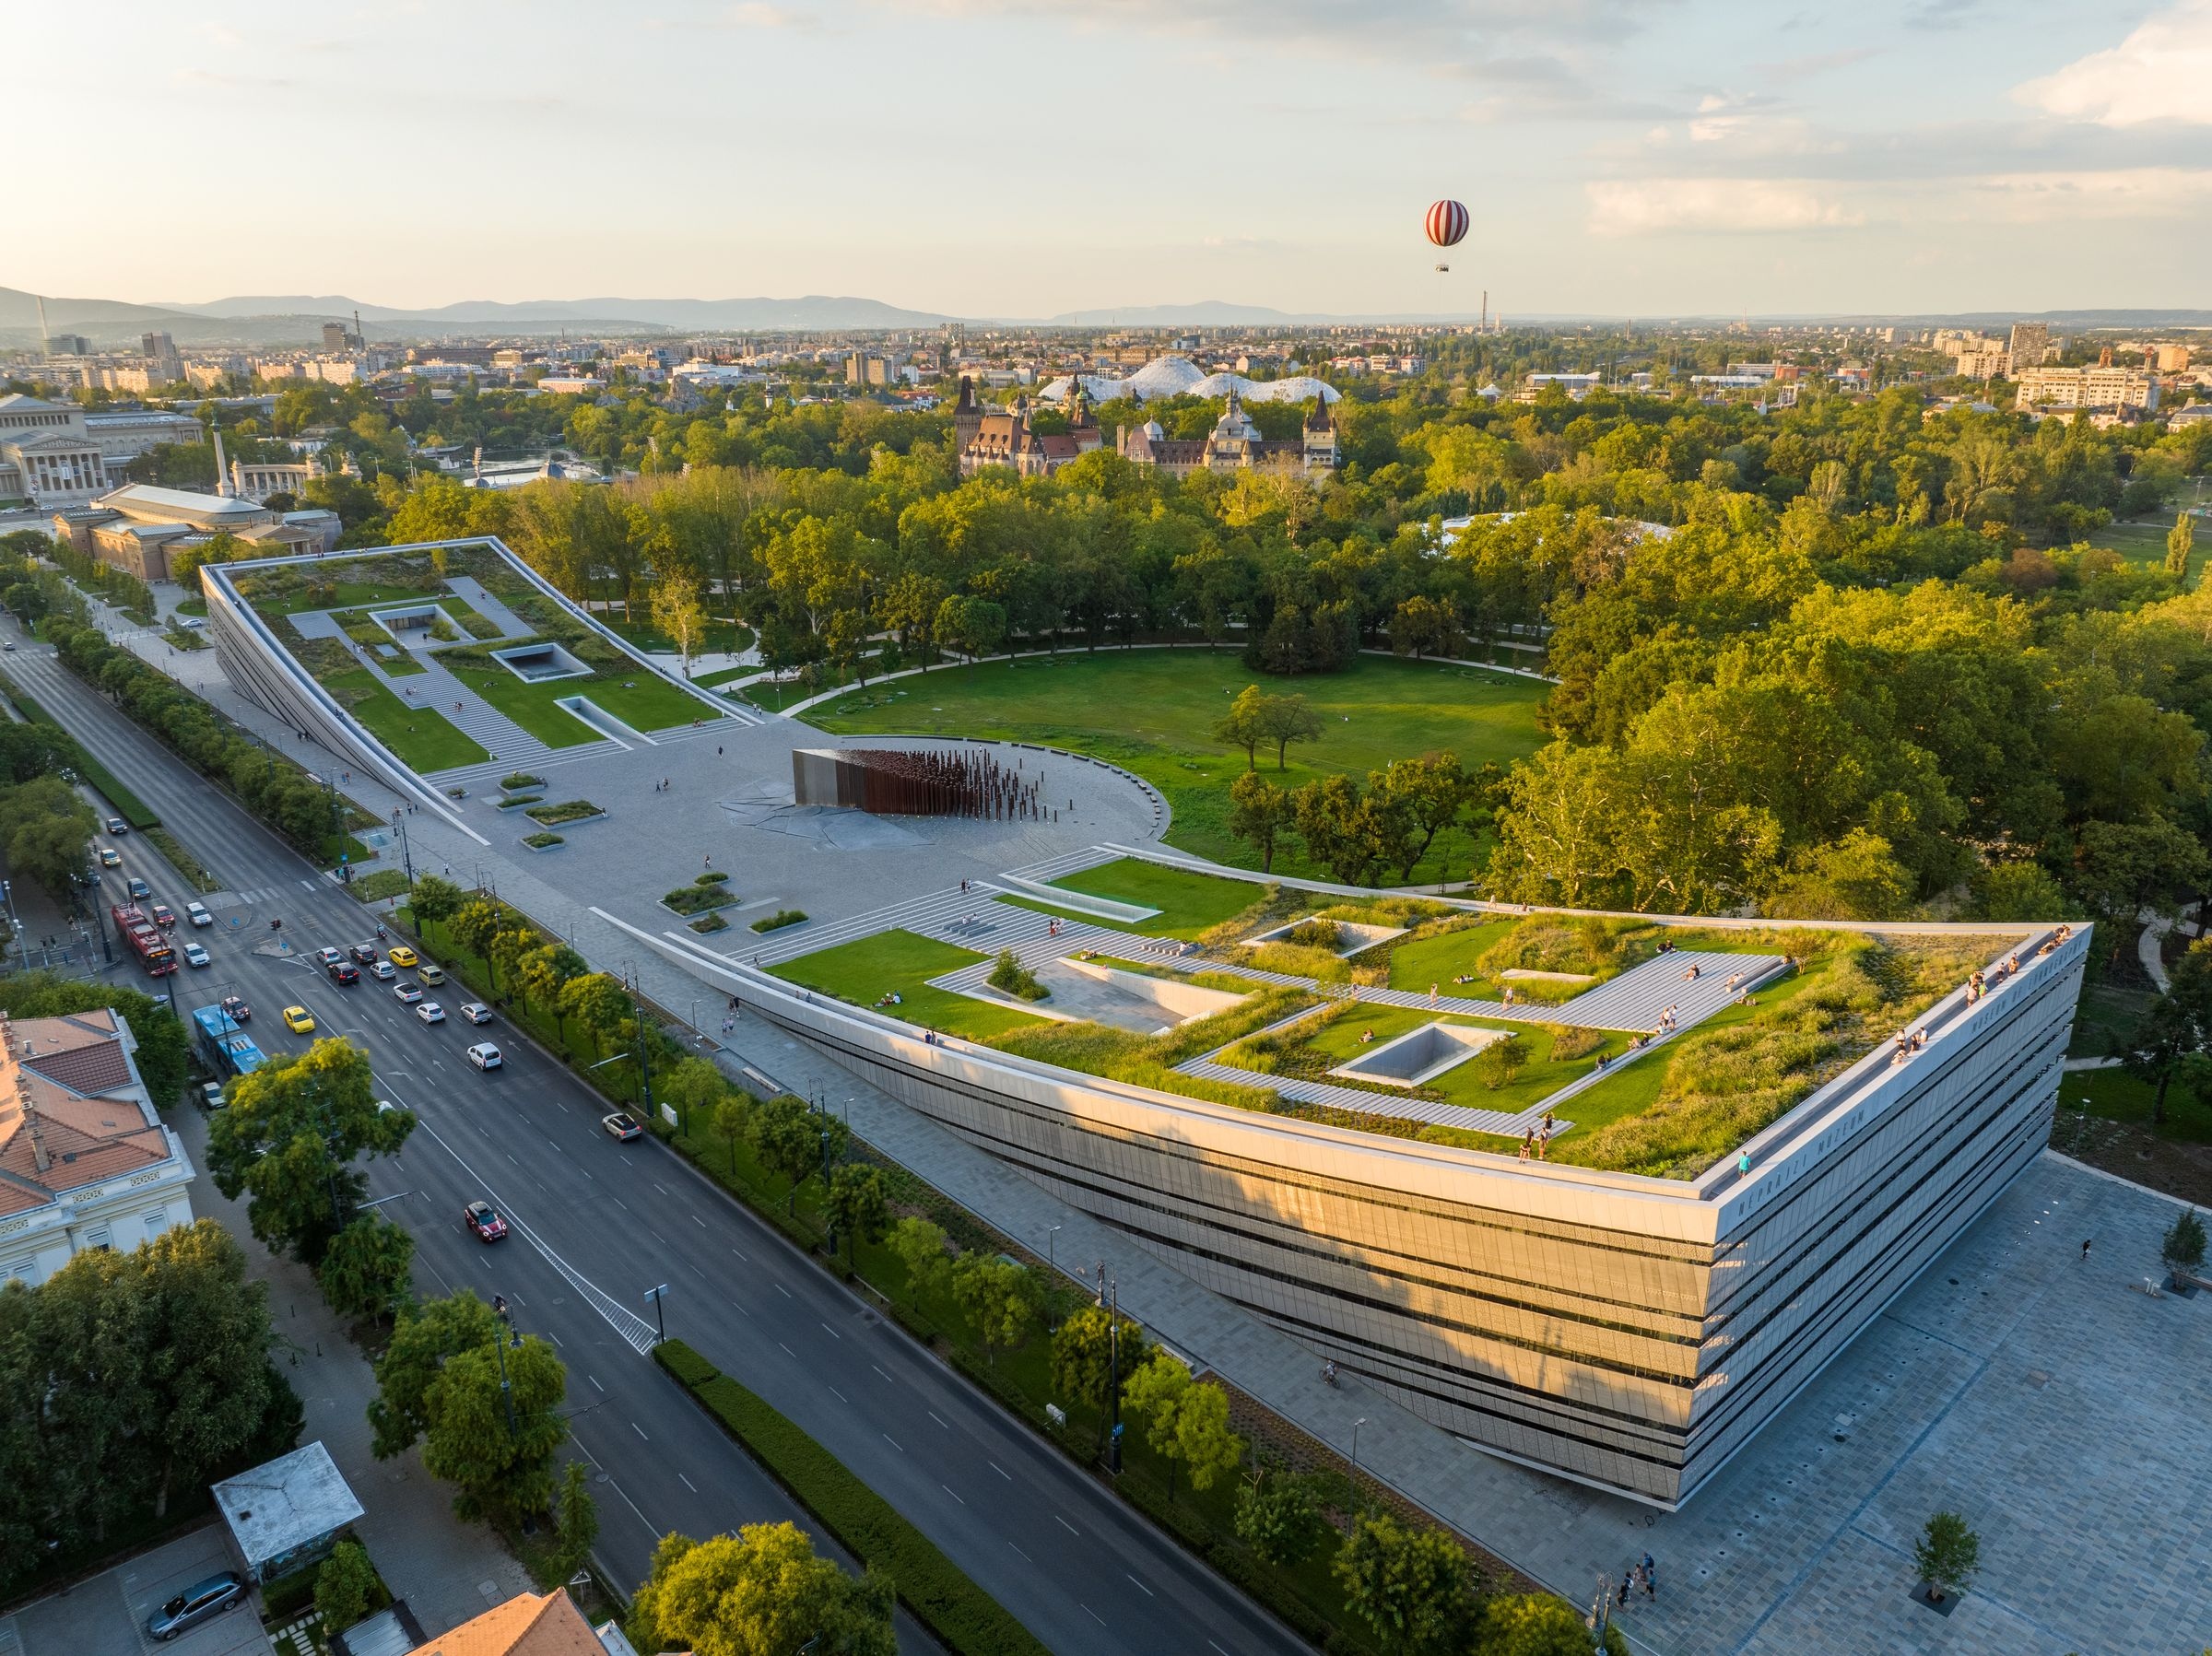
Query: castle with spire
[1004, 437]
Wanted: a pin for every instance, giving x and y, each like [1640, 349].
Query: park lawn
[1420, 961]
[403, 665]
[1188, 903]
[423, 740]
[2116, 1096]
[1153, 712]
[867, 969]
[724, 636]
[645, 702]
[193, 605]
[2142, 545]
[709, 681]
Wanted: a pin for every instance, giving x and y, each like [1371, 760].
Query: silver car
[196, 1604]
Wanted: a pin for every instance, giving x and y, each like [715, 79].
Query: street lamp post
[660, 1317]
[1113, 1348]
[1355, 1426]
[1051, 1233]
[406, 854]
[499, 1344]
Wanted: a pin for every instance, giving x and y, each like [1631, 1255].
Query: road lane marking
[1218, 1648]
[887, 1378]
[660, 1187]
[1002, 1471]
[640, 1430]
[839, 1395]
[893, 1442]
[741, 1254]
[933, 1415]
[621, 1203]
[831, 1332]
[1092, 1614]
[687, 1483]
[595, 1380]
[653, 1528]
[787, 1350]
[783, 1290]
[948, 1489]
[1065, 1525]
[698, 1221]
[1141, 1587]
[1025, 1558]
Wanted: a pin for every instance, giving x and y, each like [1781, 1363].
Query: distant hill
[813, 311]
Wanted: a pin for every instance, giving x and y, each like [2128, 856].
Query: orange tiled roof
[525, 1625]
[67, 1116]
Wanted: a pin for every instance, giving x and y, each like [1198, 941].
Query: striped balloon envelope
[1447, 223]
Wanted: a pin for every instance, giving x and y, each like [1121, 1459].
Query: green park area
[337, 595]
[425, 741]
[723, 635]
[642, 701]
[1153, 711]
[1188, 903]
[902, 963]
[2144, 543]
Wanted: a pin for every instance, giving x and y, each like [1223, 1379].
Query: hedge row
[127, 805]
[948, 1602]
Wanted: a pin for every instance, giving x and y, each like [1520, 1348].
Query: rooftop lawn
[342, 595]
[1153, 711]
[643, 700]
[902, 962]
[423, 740]
[1188, 903]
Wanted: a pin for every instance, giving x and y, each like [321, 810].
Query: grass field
[902, 962]
[643, 702]
[1188, 903]
[1153, 711]
[708, 681]
[425, 741]
[2143, 543]
[723, 637]
[343, 595]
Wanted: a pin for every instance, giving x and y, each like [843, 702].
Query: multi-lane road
[597, 1224]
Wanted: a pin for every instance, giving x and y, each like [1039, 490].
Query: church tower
[967, 418]
[1320, 436]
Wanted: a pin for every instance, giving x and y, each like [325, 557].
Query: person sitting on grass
[1366, 1036]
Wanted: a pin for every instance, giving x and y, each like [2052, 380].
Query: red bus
[144, 938]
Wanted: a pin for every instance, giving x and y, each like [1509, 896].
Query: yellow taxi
[401, 954]
[299, 1020]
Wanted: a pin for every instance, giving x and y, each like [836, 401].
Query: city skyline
[1001, 158]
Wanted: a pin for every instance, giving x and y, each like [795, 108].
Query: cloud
[1750, 205]
[2077, 197]
[2159, 73]
[1941, 13]
[759, 14]
[1817, 62]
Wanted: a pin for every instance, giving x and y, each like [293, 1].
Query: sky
[1024, 158]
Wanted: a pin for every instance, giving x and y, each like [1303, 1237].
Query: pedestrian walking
[2085, 1249]
[1623, 1600]
[1650, 1578]
[718, 750]
[710, 861]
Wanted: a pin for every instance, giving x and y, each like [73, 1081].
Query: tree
[1338, 827]
[290, 1138]
[794, 1141]
[45, 827]
[2123, 868]
[677, 612]
[1258, 814]
[919, 1245]
[2181, 541]
[1084, 1359]
[2177, 1029]
[692, 1084]
[599, 1004]
[1948, 1556]
[1244, 725]
[762, 1591]
[1414, 1588]
[423, 1338]
[496, 1440]
[367, 1267]
[1284, 719]
[1186, 1422]
[975, 627]
[2182, 1249]
[474, 925]
[1537, 1623]
[344, 1585]
[858, 1205]
[434, 900]
[731, 1122]
[575, 1518]
[1429, 793]
[1424, 624]
[1279, 1517]
[1502, 1060]
[1002, 1300]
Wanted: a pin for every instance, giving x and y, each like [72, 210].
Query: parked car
[198, 914]
[211, 1095]
[138, 889]
[431, 1011]
[485, 1056]
[401, 954]
[623, 1125]
[408, 994]
[345, 972]
[117, 826]
[194, 955]
[430, 974]
[477, 1012]
[197, 1603]
[164, 915]
[299, 1020]
[237, 1010]
[364, 952]
[479, 1217]
[110, 857]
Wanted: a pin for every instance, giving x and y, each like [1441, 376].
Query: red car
[479, 1217]
[237, 1010]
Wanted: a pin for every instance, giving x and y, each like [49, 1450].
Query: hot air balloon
[1447, 224]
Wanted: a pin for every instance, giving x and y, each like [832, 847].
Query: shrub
[542, 841]
[709, 923]
[522, 799]
[344, 1586]
[569, 810]
[781, 918]
[514, 781]
[1314, 934]
[698, 899]
[2183, 1248]
[945, 1599]
[1568, 1042]
[1320, 965]
[714, 876]
[1009, 976]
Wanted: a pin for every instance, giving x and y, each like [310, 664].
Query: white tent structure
[1178, 376]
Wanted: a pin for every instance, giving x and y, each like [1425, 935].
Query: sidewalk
[447, 1571]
